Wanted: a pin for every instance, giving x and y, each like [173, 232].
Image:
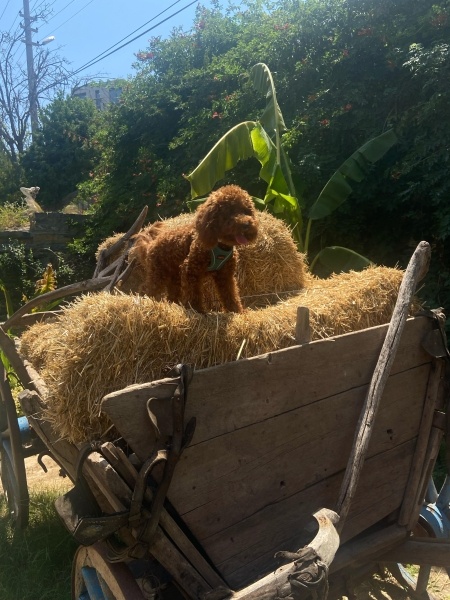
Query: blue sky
[84, 29]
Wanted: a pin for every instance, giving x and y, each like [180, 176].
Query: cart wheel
[12, 464]
[416, 586]
[95, 578]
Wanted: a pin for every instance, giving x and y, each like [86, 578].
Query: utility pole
[32, 96]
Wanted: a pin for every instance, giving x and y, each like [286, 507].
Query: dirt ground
[375, 588]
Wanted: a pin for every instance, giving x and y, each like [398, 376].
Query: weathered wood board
[273, 437]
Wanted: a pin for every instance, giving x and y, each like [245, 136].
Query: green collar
[218, 258]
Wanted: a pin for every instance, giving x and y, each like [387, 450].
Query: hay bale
[269, 269]
[104, 342]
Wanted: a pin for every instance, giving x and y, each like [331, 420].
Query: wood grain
[238, 394]
[245, 551]
[224, 480]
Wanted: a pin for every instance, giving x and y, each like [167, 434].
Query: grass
[13, 215]
[36, 563]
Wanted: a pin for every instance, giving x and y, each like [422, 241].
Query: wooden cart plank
[224, 480]
[426, 551]
[238, 394]
[249, 557]
[412, 500]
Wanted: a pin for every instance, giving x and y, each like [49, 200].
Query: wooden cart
[286, 475]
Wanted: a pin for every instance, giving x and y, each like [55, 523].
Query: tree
[63, 152]
[51, 75]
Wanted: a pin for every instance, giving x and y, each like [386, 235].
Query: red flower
[325, 122]
[145, 55]
[348, 107]
[439, 20]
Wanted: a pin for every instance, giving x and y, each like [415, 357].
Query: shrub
[13, 215]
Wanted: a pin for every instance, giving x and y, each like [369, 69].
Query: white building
[101, 95]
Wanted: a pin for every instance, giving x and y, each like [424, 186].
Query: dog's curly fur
[176, 261]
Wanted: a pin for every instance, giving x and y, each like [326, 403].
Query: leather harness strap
[219, 257]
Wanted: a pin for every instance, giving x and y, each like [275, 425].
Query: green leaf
[194, 204]
[234, 146]
[355, 168]
[336, 259]
[246, 140]
[277, 183]
[265, 152]
[272, 118]
[8, 301]
[259, 203]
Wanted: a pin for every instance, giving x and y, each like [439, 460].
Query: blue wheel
[95, 578]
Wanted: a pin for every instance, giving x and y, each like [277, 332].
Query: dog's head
[228, 216]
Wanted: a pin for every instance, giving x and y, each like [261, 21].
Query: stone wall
[47, 231]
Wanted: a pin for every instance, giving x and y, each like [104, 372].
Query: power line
[5, 9]
[60, 11]
[13, 23]
[74, 15]
[149, 21]
[34, 7]
[127, 36]
[101, 56]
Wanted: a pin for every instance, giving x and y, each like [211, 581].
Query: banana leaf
[336, 259]
[8, 301]
[355, 168]
[278, 192]
[272, 118]
[246, 140]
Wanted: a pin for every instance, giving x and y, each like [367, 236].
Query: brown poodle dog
[178, 260]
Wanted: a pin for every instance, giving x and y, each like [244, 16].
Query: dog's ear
[208, 224]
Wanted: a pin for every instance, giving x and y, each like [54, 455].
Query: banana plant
[262, 140]
[9, 312]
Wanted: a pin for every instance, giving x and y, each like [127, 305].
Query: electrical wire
[143, 25]
[60, 11]
[130, 34]
[47, 6]
[13, 23]
[101, 56]
[4, 10]
[74, 15]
